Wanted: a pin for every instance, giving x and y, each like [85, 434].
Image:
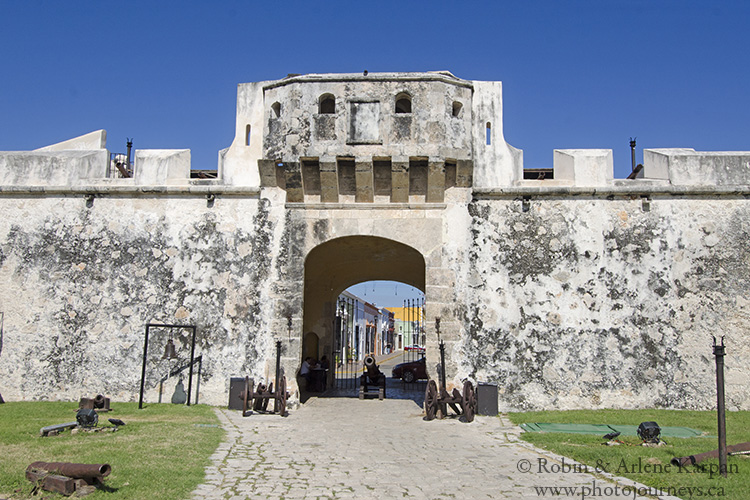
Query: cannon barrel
[372, 375]
[76, 471]
[58, 427]
[698, 458]
[371, 366]
[372, 370]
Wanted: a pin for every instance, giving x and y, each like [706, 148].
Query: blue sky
[387, 293]
[576, 74]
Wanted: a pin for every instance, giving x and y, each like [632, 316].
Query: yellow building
[408, 326]
[407, 313]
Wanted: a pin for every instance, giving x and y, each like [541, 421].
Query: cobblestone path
[345, 448]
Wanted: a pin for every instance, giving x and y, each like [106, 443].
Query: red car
[412, 371]
[414, 347]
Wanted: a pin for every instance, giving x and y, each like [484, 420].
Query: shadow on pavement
[394, 389]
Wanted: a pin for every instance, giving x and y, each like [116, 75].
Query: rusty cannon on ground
[372, 377]
[99, 403]
[735, 449]
[437, 400]
[67, 478]
[257, 398]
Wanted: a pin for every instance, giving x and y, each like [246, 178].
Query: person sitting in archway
[306, 371]
[324, 365]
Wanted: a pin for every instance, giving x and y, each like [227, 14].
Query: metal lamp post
[719, 352]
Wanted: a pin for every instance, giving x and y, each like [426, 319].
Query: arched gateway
[566, 287]
[333, 266]
[333, 256]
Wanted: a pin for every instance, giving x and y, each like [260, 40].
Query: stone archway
[311, 345]
[333, 266]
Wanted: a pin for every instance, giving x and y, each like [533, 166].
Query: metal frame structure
[179, 369]
[145, 353]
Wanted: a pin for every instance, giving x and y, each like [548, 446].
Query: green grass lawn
[651, 466]
[160, 453]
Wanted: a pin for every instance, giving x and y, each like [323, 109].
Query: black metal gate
[346, 365]
[347, 360]
[413, 339]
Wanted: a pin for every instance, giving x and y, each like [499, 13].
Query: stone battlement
[564, 286]
[379, 137]
[362, 179]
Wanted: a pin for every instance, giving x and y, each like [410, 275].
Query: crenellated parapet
[664, 170]
[392, 137]
[687, 167]
[366, 138]
[85, 162]
[565, 286]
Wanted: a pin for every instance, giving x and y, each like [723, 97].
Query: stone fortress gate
[569, 290]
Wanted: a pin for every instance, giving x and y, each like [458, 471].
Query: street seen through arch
[381, 322]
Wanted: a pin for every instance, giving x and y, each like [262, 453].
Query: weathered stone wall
[450, 119]
[575, 302]
[82, 277]
[574, 292]
[80, 283]
[596, 302]
[428, 130]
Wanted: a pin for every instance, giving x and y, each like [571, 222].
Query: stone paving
[333, 448]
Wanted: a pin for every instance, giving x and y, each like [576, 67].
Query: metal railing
[346, 371]
[410, 356]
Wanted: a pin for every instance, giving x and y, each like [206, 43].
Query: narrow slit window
[457, 108]
[276, 107]
[489, 134]
[327, 104]
[247, 135]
